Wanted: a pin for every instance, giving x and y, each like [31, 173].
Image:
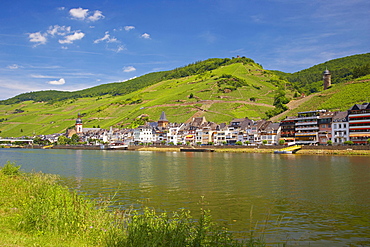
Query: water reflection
[311, 199]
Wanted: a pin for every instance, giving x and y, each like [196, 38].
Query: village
[319, 127]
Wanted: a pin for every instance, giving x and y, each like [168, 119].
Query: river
[300, 199]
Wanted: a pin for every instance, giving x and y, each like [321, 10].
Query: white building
[340, 128]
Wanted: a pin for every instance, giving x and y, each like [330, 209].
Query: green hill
[340, 97]
[342, 70]
[219, 89]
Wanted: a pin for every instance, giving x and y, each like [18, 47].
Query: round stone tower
[327, 79]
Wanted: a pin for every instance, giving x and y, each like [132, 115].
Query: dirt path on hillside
[211, 102]
[292, 105]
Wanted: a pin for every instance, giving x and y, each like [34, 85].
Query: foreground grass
[36, 211]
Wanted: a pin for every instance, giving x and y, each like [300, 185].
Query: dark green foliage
[138, 121]
[18, 111]
[342, 69]
[361, 70]
[204, 66]
[230, 82]
[279, 102]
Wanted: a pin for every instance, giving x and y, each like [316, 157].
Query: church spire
[163, 117]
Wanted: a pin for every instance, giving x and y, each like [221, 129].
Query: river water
[299, 199]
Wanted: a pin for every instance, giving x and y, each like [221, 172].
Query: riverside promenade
[320, 149]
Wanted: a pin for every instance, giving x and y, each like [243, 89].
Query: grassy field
[36, 211]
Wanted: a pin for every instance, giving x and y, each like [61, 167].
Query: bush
[348, 142]
[158, 229]
[10, 169]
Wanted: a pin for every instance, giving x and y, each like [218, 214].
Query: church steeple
[163, 122]
[78, 124]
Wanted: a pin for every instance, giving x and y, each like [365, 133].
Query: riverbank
[309, 150]
[37, 211]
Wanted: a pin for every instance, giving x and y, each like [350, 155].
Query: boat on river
[288, 150]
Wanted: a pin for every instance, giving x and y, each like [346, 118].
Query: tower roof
[326, 72]
[163, 117]
[79, 120]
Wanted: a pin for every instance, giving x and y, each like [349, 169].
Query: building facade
[359, 123]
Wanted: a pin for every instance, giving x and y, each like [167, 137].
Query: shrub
[348, 142]
[10, 169]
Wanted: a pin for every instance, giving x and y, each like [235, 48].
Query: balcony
[306, 134]
[306, 123]
[306, 128]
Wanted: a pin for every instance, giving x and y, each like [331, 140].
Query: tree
[329, 142]
[63, 140]
[281, 142]
[75, 138]
[264, 142]
[368, 141]
[348, 142]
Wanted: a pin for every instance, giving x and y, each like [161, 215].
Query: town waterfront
[303, 199]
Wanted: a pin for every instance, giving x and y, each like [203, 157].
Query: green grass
[36, 211]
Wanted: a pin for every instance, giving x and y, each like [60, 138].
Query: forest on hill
[342, 70]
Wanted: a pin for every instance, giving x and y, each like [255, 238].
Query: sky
[72, 45]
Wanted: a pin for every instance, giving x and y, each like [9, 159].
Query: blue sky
[72, 45]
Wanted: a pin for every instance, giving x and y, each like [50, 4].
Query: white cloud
[59, 30]
[13, 66]
[83, 14]
[128, 69]
[145, 36]
[38, 38]
[70, 38]
[78, 13]
[59, 82]
[117, 49]
[42, 76]
[128, 28]
[96, 16]
[106, 38]
[61, 8]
